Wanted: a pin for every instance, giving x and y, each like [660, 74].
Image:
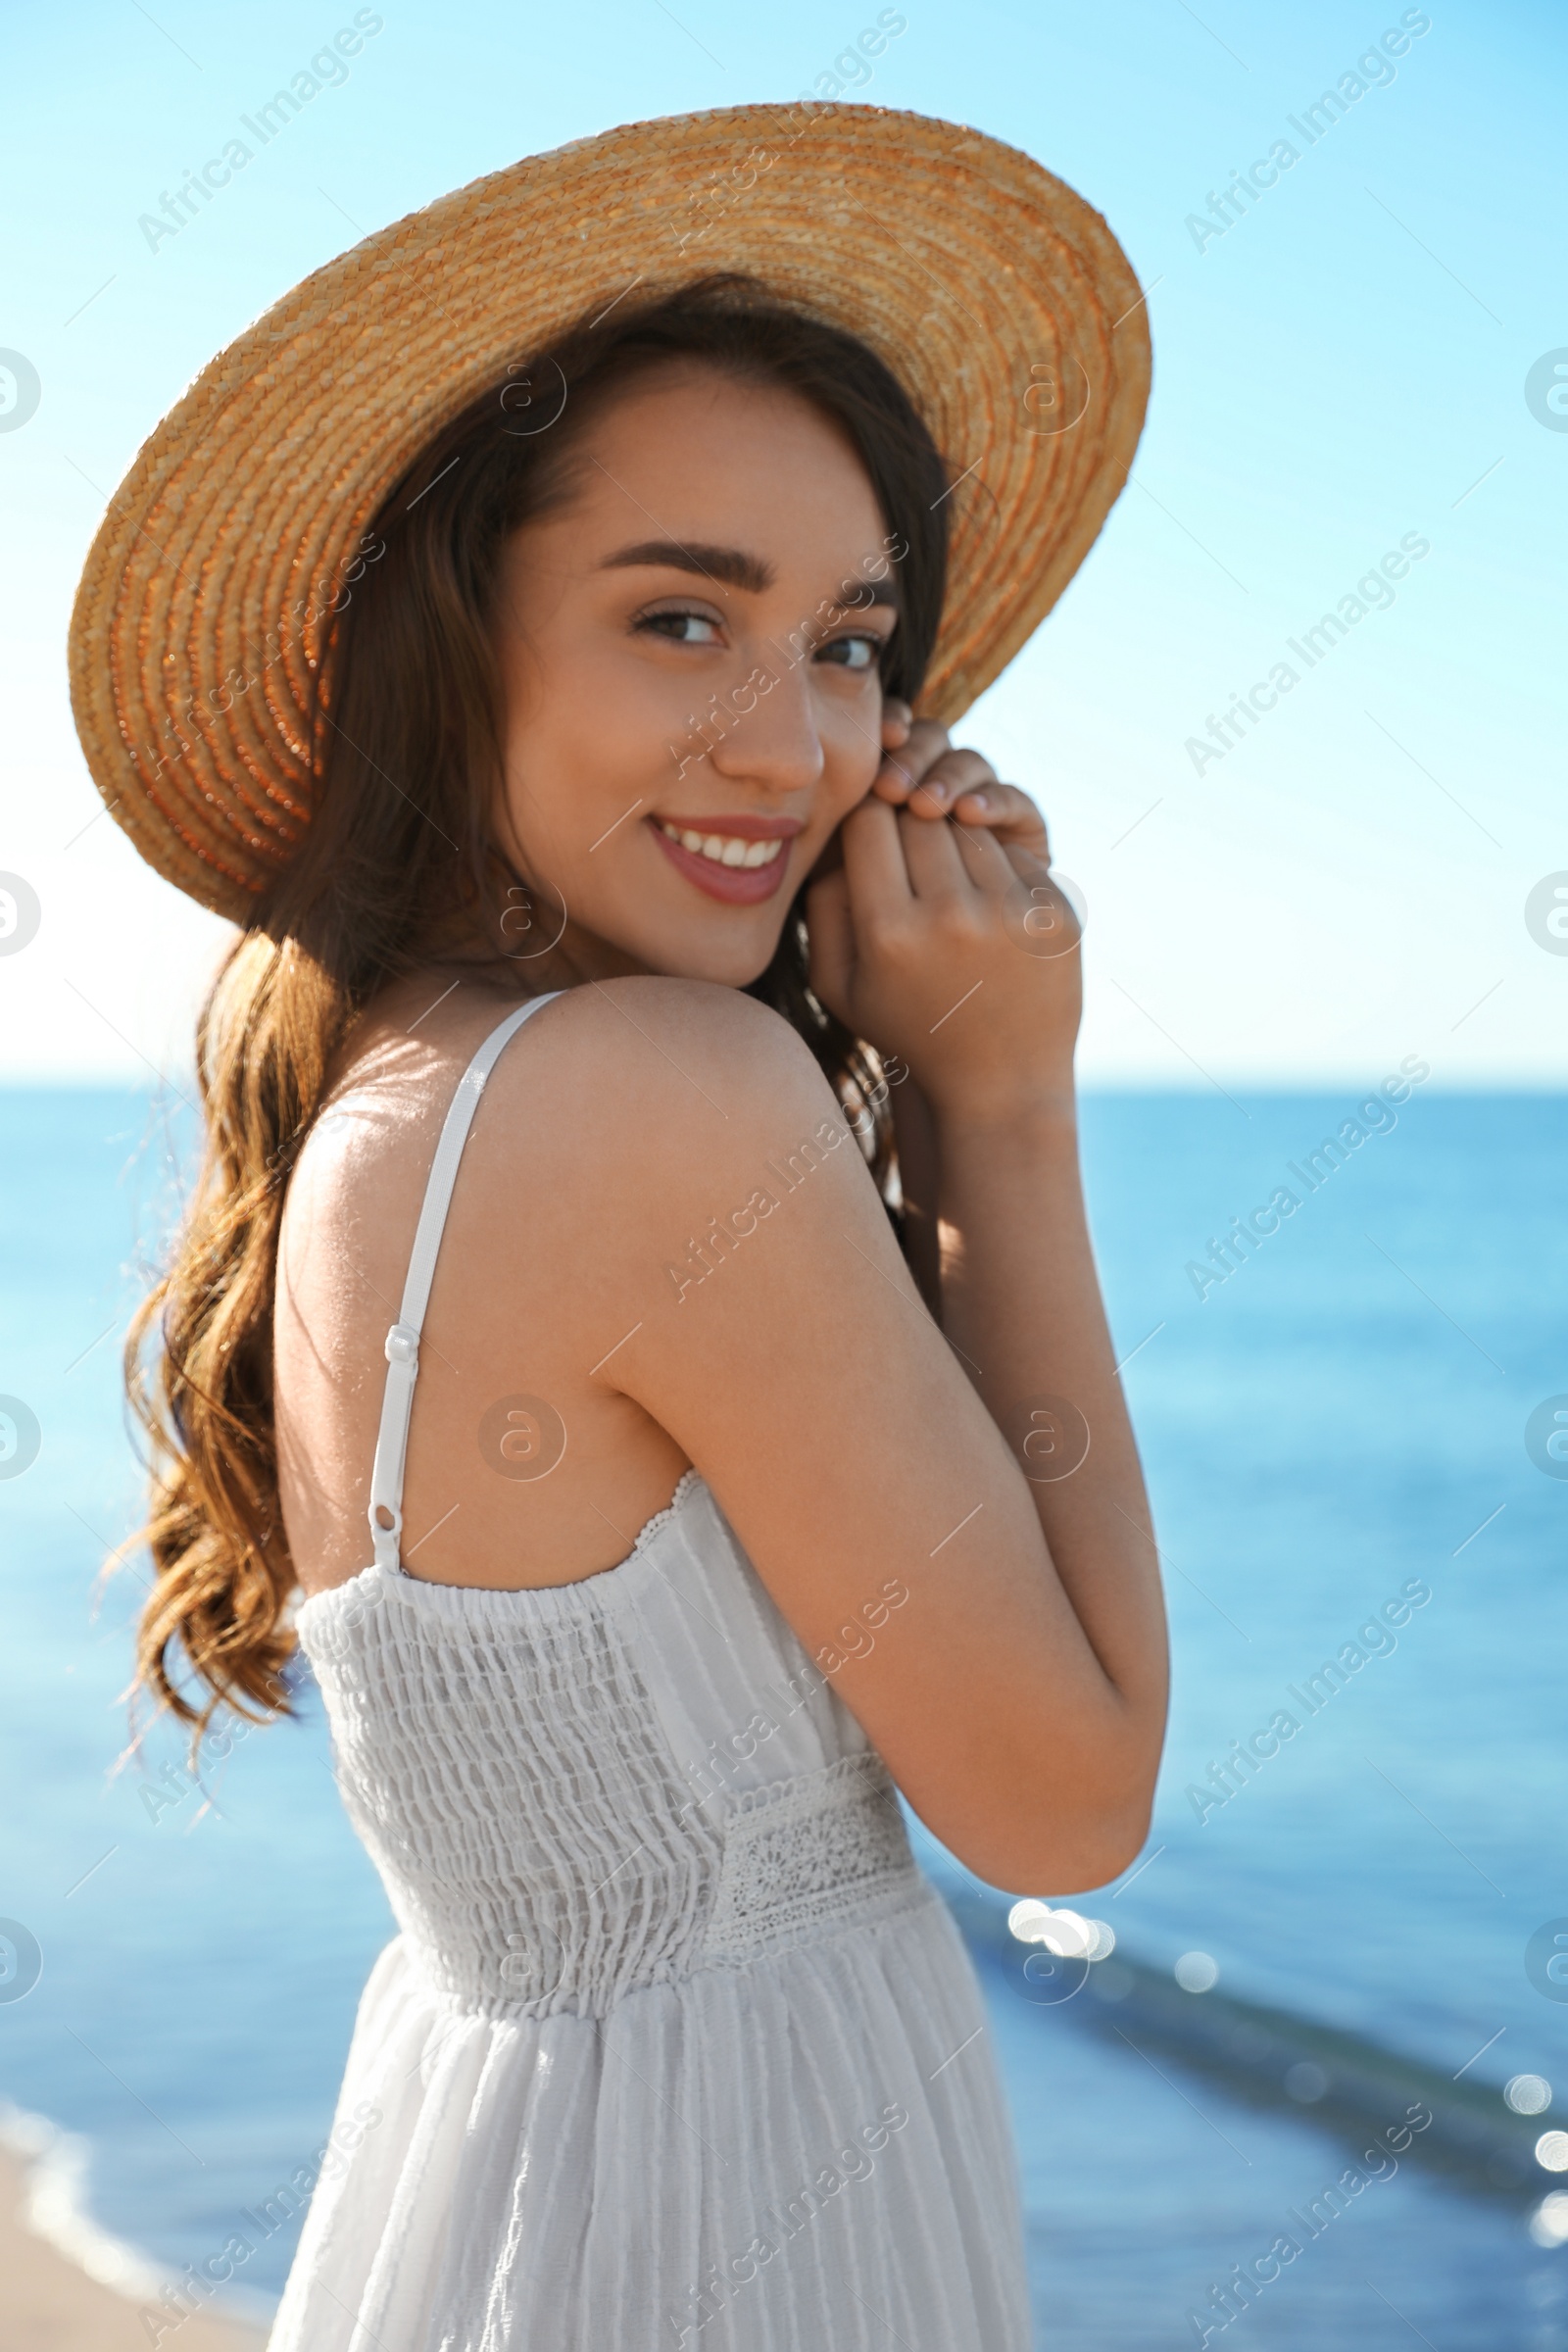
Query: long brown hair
[396, 864]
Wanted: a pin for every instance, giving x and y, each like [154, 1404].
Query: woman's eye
[682, 628]
[852, 653]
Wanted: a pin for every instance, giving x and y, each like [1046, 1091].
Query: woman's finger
[946, 782]
[934, 859]
[875, 874]
[1005, 812]
[896, 720]
[906, 763]
[987, 860]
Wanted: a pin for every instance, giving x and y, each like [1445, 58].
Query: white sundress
[677, 2046]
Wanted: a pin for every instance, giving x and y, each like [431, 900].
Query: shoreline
[65, 2285]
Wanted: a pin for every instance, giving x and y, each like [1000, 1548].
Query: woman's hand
[942, 937]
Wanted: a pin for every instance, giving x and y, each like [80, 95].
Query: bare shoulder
[638, 1086]
[665, 1038]
[622, 1115]
[597, 1061]
[617, 1123]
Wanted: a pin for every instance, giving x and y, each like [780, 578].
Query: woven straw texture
[205, 608]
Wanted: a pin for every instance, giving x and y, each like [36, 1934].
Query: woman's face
[689, 655]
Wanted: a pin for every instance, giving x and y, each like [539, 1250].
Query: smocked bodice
[576, 1792]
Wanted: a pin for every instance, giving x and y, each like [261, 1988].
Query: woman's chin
[719, 972]
[725, 963]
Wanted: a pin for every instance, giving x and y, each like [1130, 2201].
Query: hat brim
[997, 297]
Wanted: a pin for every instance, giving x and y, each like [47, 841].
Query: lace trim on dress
[805, 1855]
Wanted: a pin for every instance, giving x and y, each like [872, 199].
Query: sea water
[1339, 1410]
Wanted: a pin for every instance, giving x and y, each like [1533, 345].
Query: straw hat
[1000, 301]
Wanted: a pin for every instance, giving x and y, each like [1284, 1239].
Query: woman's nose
[775, 743]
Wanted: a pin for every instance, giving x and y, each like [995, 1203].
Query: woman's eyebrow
[729, 565]
[733, 568]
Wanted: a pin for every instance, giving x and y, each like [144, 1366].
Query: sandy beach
[48, 2305]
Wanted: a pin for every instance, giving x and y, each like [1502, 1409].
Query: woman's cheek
[851, 746]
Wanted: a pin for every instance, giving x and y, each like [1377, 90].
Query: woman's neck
[548, 954]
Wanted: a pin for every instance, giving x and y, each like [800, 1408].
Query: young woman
[702, 1513]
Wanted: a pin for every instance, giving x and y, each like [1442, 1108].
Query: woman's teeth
[724, 848]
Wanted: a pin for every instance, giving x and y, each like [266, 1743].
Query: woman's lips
[736, 885]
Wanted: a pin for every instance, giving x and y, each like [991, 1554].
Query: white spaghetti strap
[403, 1340]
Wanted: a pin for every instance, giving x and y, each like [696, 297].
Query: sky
[1364, 360]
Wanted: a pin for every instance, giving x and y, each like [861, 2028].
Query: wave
[1345, 2082]
[56, 2166]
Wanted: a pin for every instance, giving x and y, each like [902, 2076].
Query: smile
[741, 859]
[724, 848]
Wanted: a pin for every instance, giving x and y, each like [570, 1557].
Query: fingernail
[981, 799]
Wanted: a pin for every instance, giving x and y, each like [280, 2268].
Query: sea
[1312, 2088]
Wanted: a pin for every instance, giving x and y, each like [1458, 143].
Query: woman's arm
[1021, 1307]
[998, 1237]
[746, 1291]
[736, 1279]
[987, 1135]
